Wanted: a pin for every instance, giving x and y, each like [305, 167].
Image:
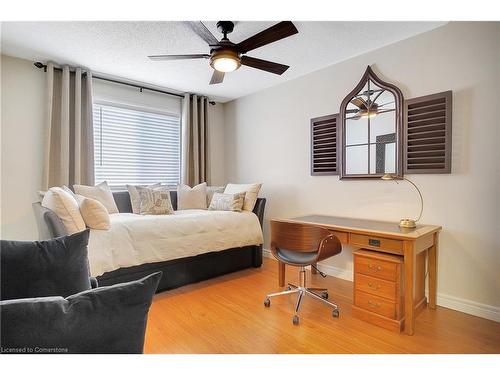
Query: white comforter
[135, 239]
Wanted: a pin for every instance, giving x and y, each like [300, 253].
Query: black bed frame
[176, 272]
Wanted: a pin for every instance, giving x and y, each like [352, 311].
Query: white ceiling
[120, 49]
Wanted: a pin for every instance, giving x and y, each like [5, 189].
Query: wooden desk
[387, 237]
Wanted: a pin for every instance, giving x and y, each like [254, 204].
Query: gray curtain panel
[194, 140]
[69, 135]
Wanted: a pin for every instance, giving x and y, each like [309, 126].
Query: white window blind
[135, 146]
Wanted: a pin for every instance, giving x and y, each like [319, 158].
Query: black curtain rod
[40, 65]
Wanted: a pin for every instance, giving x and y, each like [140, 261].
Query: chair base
[302, 291]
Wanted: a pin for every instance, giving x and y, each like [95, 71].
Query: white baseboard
[444, 300]
[469, 307]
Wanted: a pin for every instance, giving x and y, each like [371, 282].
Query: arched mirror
[371, 129]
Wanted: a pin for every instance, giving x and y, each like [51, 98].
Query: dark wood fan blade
[352, 111]
[268, 66]
[217, 77]
[279, 31]
[199, 28]
[358, 102]
[178, 57]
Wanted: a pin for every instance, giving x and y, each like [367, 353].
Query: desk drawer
[378, 287]
[375, 304]
[377, 243]
[376, 267]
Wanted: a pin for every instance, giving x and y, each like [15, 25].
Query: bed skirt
[183, 271]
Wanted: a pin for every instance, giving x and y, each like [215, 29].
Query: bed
[189, 246]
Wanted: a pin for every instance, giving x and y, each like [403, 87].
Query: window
[136, 146]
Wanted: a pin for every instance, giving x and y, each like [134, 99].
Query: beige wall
[22, 116]
[267, 140]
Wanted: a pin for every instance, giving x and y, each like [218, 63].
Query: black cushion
[109, 319]
[57, 267]
[297, 257]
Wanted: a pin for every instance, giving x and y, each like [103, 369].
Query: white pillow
[94, 213]
[135, 199]
[251, 191]
[101, 193]
[65, 207]
[192, 198]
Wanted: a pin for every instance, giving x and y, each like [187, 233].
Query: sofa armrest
[258, 210]
[48, 223]
[93, 282]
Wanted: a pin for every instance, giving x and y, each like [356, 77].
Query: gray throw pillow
[57, 267]
[110, 319]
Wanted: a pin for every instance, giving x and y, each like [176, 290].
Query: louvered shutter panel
[137, 147]
[324, 145]
[428, 134]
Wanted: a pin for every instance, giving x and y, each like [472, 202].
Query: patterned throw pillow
[135, 199]
[227, 202]
[251, 190]
[211, 190]
[155, 201]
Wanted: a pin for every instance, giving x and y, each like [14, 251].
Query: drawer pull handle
[373, 242]
[373, 304]
[374, 287]
[375, 268]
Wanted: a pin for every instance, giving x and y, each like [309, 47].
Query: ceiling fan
[367, 107]
[226, 56]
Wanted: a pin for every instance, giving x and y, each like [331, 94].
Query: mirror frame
[370, 75]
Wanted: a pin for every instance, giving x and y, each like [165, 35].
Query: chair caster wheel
[295, 320]
[324, 295]
[267, 302]
[288, 287]
[336, 313]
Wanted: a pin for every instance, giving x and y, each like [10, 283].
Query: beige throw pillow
[135, 199]
[251, 192]
[94, 213]
[227, 202]
[211, 190]
[101, 193]
[155, 201]
[192, 198]
[65, 207]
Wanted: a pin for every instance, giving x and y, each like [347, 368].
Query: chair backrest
[297, 237]
[304, 238]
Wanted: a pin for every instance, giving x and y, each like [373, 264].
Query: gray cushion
[110, 319]
[57, 267]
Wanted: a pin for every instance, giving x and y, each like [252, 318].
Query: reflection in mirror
[356, 160]
[371, 129]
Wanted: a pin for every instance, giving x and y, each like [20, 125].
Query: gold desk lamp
[407, 223]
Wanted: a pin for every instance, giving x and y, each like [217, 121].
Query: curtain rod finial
[40, 65]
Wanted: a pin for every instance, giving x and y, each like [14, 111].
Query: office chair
[300, 246]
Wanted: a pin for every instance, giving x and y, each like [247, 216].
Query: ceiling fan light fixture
[225, 61]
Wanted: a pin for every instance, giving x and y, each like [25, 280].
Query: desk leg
[281, 273]
[409, 276]
[432, 264]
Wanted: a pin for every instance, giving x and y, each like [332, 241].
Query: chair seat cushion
[297, 257]
[57, 267]
[110, 319]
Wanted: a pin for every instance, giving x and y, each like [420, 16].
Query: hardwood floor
[227, 315]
